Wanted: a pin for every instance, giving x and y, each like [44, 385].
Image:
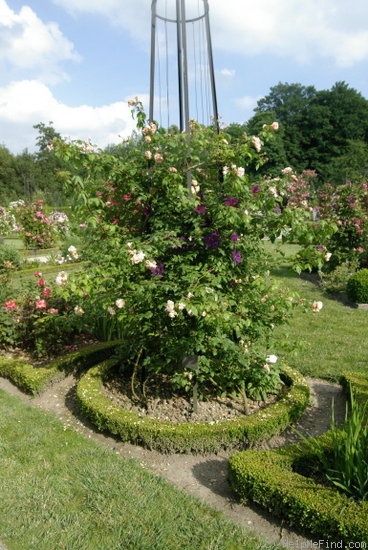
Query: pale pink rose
[256, 142]
[317, 306]
[158, 157]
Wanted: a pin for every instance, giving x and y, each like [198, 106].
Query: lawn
[60, 490]
[322, 344]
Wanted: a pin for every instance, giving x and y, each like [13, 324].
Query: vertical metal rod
[185, 67]
[211, 64]
[180, 63]
[153, 55]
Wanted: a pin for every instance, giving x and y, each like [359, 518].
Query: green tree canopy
[316, 126]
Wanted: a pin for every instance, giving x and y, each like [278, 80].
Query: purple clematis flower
[231, 201]
[237, 259]
[212, 240]
[234, 237]
[200, 209]
[158, 270]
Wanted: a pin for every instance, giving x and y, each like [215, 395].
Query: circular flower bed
[201, 437]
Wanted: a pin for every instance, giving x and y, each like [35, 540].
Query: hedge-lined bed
[269, 479]
[33, 380]
[185, 437]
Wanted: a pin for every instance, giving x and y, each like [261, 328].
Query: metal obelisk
[194, 58]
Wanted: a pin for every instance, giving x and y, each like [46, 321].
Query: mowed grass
[61, 491]
[323, 344]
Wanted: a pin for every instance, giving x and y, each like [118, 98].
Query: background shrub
[10, 258]
[357, 287]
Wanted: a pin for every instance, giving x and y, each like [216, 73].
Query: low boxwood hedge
[358, 383]
[183, 437]
[269, 479]
[357, 287]
[32, 379]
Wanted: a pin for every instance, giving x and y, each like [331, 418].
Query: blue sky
[77, 62]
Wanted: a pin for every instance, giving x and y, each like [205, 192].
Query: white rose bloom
[256, 142]
[120, 303]
[287, 170]
[73, 252]
[137, 257]
[61, 278]
[170, 305]
[271, 359]
[151, 264]
[78, 310]
[317, 306]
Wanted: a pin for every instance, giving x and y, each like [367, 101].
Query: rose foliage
[177, 266]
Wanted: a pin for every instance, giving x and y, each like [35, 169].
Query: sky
[77, 63]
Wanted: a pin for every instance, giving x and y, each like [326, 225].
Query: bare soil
[159, 402]
[204, 477]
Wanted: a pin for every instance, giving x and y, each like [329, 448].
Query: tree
[316, 126]
[49, 165]
[10, 187]
[351, 165]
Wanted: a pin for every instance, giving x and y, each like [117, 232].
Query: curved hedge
[267, 478]
[33, 380]
[183, 437]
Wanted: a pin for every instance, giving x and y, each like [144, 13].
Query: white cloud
[25, 103]
[132, 15]
[227, 73]
[303, 31]
[29, 44]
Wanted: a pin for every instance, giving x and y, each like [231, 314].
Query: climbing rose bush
[347, 205]
[177, 266]
[36, 228]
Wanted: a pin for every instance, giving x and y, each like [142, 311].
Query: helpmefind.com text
[323, 544]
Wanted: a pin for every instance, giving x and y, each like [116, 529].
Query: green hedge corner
[268, 479]
[33, 380]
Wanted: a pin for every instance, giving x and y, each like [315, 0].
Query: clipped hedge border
[267, 478]
[34, 380]
[358, 383]
[184, 437]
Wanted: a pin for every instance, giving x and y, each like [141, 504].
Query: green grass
[322, 344]
[60, 490]
[15, 242]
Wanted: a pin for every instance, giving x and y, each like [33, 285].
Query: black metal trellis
[195, 69]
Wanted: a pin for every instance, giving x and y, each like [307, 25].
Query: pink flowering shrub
[177, 266]
[37, 319]
[36, 228]
[347, 206]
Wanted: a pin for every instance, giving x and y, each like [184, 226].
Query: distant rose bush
[37, 229]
